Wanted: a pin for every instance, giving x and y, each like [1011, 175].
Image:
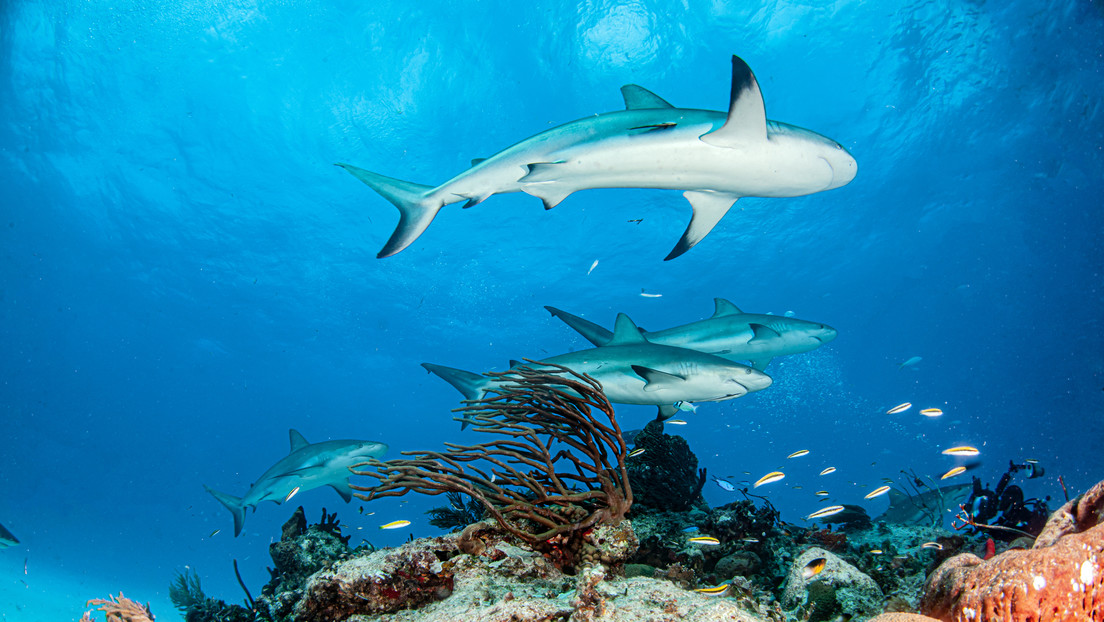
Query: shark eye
[747, 372]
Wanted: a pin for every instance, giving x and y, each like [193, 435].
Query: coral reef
[666, 476]
[838, 589]
[187, 596]
[1060, 577]
[121, 609]
[534, 492]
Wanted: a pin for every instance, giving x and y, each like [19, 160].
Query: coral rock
[839, 588]
[738, 564]
[1060, 578]
[901, 617]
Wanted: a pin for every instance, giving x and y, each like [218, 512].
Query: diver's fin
[625, 332]
[234, 504]
[344, 490]
[709, 207]
[416, 210]
[724, 307]
[640, 98]
[762, 333]
[747, 118]
[297, 440]
[594, 333]
[655, 380]
[666, 411]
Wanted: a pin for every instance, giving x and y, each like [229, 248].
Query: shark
[714, 157]
[632, 370]
[7, 538]
[921, 508]
[308, 466]
[729, 333]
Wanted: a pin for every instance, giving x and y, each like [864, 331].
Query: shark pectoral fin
[724, 308]
[654, 380]
[761, 364]
[344, 490]
[416, 209]
[640, 98]
[666, 411]
[762, 333]
[709, 207]
[747, 118]
[515, 363]
[594, 333]
[297, 440]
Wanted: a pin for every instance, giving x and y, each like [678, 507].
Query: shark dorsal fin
[640, 98]
[476, 161]
[725, 308]
[515, 363]
[625, 332]
[747, 118]
[297, 440]
[762, 333]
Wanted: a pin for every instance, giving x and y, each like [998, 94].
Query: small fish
[213, 533]
[635, 220]
[831, 510]
[796, 487]
[751, 540]
[360, 509]
[875, 551]
[675, 422]
[1031, 461]
[877, 492]
[398, 524]
[961, 450]
[705, 540]
[369, 513]
[822, 493]
[900, 408]
[647, 295]
[909, 363]
[931, 412]
[900, 557]
[789, 314]
[724, 484]
[690, 529]
[932, 545]
[686, 407]
[958, 470]
[769, 478]
[592, 267]
[798, 454]
[294, 491]
[636, 452]
[828, 470]
[813, 568]
[494, 477]
[718, 590]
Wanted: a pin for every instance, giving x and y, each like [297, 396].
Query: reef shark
[633, 371]
[729, 333]
[922, 508]
[714, 157]
[308, 466]
[7, 538]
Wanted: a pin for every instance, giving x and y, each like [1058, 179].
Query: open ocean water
[184, 274]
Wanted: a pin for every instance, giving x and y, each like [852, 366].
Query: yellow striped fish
[958, 470]
[706, 540]
[961, 450]
[398, 524]
[769, 478]
[828, 470]
[900, 408]
[931, 412]
[877, 492]
[798, 454]
[719, 590]
[828, 511]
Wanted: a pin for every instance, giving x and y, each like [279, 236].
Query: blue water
[185, 276]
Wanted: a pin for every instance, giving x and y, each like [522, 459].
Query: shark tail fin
[471, 385]
[234, 504]
[416, 209]
[594, 333]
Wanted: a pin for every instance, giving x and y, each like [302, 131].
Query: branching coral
[559, 470]
[121, 609]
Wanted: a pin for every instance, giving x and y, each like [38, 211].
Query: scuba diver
[1006, 506]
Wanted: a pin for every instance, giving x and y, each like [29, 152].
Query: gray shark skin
[729, 333]
[633, 371]
[911, 511]
[308, 466]
[715, 158]
[7, 538]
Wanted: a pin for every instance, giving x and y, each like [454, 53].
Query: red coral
[1060, 578]
[830, 540]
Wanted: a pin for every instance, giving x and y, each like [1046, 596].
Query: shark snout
[753, 380]
[843, 165]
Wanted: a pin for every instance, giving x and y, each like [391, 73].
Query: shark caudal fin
[594, 333]
[232, 503]
[472, 386]
[416, 210]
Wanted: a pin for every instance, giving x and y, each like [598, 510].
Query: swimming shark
[924, 507]
[729, 333]
[714, 157]
[308, 466]
[7, 538]
[633, 371]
